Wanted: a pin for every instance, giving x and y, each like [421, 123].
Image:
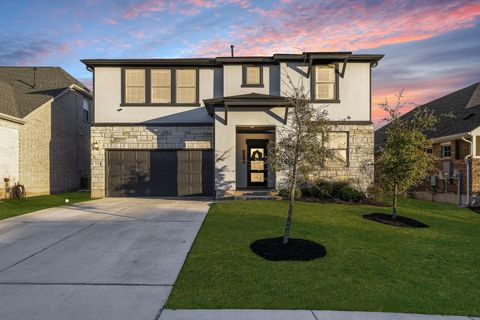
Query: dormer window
[252, 76]
[325, 83]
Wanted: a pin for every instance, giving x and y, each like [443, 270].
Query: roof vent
[34, 77]
[232, 47]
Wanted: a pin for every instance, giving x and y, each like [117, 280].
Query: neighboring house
[181, 127]
[44, 129]
[456, 143]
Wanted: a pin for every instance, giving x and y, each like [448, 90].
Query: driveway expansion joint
[50, 246]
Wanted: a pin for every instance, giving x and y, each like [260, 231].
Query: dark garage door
[159, 173]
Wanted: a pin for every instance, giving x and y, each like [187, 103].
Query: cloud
[427, 70]
[189, 7]
[24, 51]
[331, 25]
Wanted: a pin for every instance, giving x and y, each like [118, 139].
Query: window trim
[347, 149]
[123, 83]
[172, 89]
[87, 110]
[313, 73]
[448, 144]
[148, 88]
[244, 76]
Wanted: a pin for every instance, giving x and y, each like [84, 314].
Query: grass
[369, 266]
[11, 208]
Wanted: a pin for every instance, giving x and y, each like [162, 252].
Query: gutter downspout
[467, 163]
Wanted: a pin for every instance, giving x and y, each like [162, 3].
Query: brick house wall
[459, 149]
[54, 146]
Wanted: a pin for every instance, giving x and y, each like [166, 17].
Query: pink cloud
[314, 26]
[418, 92]
[189, 7]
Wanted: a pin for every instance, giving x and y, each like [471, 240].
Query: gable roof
[463, 106]
[19, 96]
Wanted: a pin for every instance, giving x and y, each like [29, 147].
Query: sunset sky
[431, 47]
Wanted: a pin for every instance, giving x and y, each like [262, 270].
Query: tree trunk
[293, 187]
[394, 204]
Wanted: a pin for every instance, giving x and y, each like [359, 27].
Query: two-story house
[184, 127]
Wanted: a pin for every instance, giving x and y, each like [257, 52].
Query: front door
[257, 167]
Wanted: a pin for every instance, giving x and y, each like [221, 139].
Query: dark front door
[257, 167]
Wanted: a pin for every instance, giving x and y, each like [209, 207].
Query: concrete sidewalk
[297, 315]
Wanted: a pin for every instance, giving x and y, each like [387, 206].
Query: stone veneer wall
[359, 171]
[141, 137]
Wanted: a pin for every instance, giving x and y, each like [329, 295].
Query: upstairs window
[186, 86]
[429, 150]
[86, 110]
[134, 86]
[446, 151]
[252, 76]
[325, 83]
[161, 85]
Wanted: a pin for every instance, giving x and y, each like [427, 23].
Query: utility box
[448, 169]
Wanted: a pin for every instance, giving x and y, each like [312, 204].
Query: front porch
[244, 126]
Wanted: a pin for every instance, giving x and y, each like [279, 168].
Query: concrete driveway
[103, 259]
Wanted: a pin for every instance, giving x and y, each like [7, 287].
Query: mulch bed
[399, 222]
[273, 249]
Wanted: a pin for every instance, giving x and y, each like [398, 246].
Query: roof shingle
[18, 94]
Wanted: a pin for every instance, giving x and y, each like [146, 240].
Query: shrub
[323, 190]
[285, 193]
[330, 190]
[349, 194]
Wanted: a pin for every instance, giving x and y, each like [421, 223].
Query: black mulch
[273, 249]
[398, 222]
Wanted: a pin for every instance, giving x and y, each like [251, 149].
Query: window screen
[338, 145]
[252, 75]
[325, 82]
[134, 86]
[161, 86]
[186, 85]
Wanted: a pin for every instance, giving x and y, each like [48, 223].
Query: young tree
[300, 146]
[403, 161]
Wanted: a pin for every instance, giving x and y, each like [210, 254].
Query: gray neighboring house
[201, 126]
[44, 129]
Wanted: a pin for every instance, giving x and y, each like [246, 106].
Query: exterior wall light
[95, 146]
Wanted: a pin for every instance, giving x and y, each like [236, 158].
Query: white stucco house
[201, 126]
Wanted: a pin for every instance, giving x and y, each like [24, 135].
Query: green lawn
[11, 208]
[369, 266]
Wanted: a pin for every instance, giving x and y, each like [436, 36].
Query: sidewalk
[298, 315]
